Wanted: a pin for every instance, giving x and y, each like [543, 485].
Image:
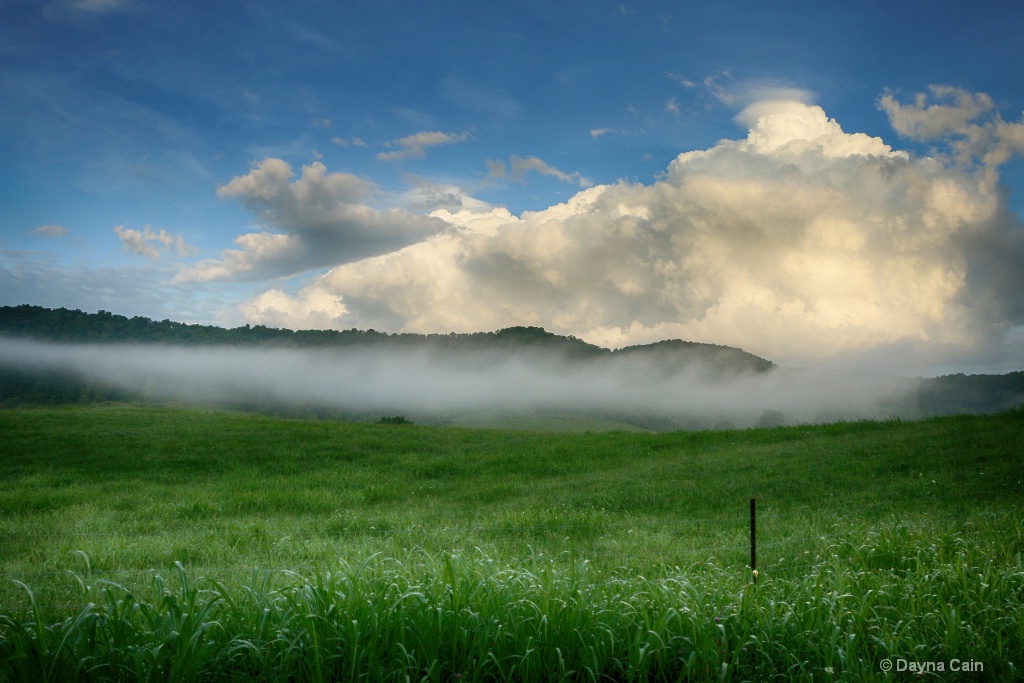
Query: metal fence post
[753, 538]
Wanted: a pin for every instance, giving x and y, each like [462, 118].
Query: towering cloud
[802, 243]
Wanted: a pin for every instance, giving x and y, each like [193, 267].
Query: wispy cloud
[308, 36]
[90, 6]
[480, 98]
[415, 146]
[722, 88]
[518, 167]
[681, 80]
[87, 11]
[51, 230]
[152, 244]
[349, 142]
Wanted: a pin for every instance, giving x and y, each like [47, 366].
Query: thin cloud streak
[415, 146]
[519, 166]
[51, 230]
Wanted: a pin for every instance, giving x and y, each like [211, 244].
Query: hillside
[76, 327]
[518, 376]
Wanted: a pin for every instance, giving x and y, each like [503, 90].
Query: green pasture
[172, 544]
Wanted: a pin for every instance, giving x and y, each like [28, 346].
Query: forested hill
[541, 351]
[75, 326]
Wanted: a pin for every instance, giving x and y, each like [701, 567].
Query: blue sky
[849, 191]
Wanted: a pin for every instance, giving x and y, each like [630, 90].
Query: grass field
[158, 544]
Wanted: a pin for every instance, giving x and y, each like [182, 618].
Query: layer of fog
[435, 384]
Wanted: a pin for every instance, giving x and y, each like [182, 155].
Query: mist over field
[435, 384]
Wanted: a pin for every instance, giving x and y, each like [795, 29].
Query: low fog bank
[434, 386]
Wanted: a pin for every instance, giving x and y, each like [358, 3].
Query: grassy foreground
[152, 544]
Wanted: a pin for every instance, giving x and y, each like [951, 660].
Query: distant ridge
[676, 352]
[695, 373]
[75, 327]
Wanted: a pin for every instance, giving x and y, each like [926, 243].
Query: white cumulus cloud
[801, 242]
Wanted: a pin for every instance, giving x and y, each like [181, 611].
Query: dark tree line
[75, 326]
[66, 326]
[942, 395]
